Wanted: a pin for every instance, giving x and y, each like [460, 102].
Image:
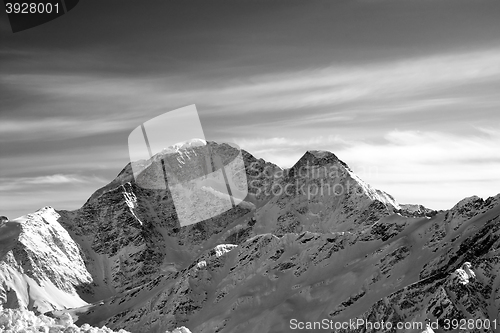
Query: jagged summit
[321, 153]
[197, 146]
[474, 199]
[325, 166]
[314, 159]
[188, 155]
[180, 146]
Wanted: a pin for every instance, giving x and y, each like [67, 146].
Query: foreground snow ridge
[23, 321]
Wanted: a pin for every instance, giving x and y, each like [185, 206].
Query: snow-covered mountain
[312, 243]
[41, 265]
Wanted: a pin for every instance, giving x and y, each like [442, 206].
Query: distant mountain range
[312, 248]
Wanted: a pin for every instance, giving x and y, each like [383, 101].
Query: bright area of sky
[405, 92]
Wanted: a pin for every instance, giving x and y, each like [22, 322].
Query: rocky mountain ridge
[309, 243]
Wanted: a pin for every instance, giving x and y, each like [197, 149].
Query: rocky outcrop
[460, 290]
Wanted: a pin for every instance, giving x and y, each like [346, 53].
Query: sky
[405, 92]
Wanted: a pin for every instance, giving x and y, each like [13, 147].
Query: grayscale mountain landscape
[310, 242]
[250, 166]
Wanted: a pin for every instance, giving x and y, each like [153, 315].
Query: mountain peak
[317, 158]
[320, 153]
[468, 200]
[179, 146]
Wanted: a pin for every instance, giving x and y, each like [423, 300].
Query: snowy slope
[40, 265]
